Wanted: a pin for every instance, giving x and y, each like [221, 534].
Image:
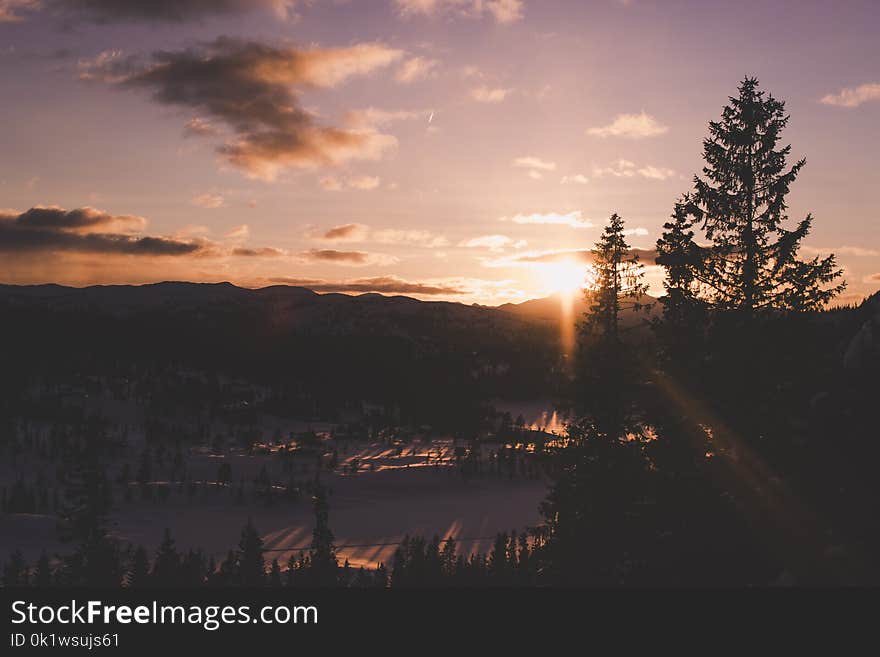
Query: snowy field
[413, 490]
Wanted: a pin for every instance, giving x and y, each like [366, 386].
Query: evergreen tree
[87, 500]
[166, 567]
[275, 574]
[226, 574]
[605, 368]
[684, 310]
[251, 566]
[447, 558]
[323, 553]
[618, 284]
[192, 569]
[595, 512]
[139, 569]
[752, 262]
[83, 520]
[15, 572]
[210, 570]
[497, 564]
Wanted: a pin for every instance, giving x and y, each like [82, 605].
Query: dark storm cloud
[250, 88]
[381, 284]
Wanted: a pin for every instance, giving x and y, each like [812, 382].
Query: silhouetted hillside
[340, 348]
[550, 309]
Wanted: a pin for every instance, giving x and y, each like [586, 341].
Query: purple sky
[451, 143]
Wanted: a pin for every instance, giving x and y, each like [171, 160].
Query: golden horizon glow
[448, 157]
[566, 279]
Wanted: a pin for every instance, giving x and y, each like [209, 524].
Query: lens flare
[566, 279]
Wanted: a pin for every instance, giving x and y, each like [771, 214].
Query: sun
[565, 278]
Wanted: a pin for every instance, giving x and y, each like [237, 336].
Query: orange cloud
[251, 88]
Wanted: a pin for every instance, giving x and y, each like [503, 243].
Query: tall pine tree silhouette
[322, 556]
[251, 566]
[684, 311]
[166, 566]
[752, 263]
[83, 520]
[605, 369]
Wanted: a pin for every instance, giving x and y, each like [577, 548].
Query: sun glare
[566, 278]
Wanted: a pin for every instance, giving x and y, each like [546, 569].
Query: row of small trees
[100, 561]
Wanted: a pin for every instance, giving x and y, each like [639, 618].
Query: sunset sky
[443, 149]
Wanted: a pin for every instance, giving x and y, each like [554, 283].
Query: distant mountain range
[550, 309]
[291, 307]
[333, 341]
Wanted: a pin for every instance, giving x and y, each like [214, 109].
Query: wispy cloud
[330, 184]
[575, 179]
[855, 251]
[361, 183]
[631, 126]
[361, 233]
[378, 284]
[531, 162]
[574, 219]
[422, 238]
[627, 169]
[503, 11]
[199, 127]
[416, 68]
[350, 258]
[853, 96]
[495, 243]
[241, 232]
[372, 117]
[579, 256]
[535, 165]
[347, 233]
[258, 252]
[619, 169]
[484, 94]
[364, 183]
[210, 201]
[13, 11]
[656, 173]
